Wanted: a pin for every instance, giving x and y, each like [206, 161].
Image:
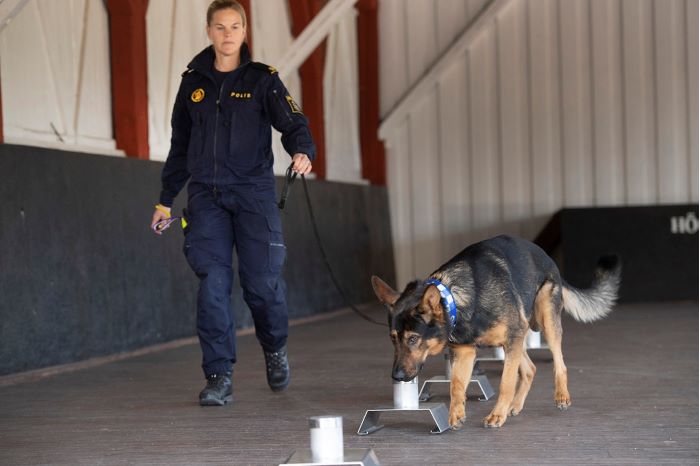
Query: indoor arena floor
[633, 379]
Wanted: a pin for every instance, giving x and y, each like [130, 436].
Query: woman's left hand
[302, 164]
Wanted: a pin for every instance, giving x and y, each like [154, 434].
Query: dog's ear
[386, 294]
[430, 307]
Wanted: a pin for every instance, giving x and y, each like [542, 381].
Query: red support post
[311, 72]
[127, 35]
[249, 23]
[373, 156]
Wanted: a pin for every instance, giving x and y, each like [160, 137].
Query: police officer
[221, 142]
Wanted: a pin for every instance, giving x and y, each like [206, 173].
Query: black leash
[288, 181]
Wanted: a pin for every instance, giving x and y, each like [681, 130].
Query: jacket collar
[204, 60]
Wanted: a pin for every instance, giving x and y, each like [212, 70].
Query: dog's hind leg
[462, 365]
[527, 372]
[548, 306]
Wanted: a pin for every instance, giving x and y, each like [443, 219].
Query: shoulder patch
[186, 72]
[263, 66]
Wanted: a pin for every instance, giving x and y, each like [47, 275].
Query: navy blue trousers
[216, 224]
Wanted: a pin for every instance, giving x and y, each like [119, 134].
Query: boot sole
[214, 402]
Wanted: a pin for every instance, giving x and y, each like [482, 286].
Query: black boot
[218, 391]
[277, 366]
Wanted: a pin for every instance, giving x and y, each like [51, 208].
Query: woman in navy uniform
[221, 143]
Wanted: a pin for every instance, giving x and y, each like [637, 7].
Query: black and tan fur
[503, 287]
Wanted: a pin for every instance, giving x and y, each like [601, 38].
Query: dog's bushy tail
[597, 301]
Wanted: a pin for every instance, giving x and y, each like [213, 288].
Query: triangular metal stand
[481, 380]
[351, 456]
[438, 411]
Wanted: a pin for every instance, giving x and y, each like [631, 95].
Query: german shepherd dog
[502, 287]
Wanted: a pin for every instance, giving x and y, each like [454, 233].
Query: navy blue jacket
[221, 138]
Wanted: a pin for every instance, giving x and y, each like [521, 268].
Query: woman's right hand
[161, 213]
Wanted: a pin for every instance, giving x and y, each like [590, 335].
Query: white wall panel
[557, 103]
[639, 108]
[514, 135]
[671, 114]
[544, 109]
[454, 159]
[400, 192]
[56, 85]
[425, 181]
[577, 163]
[393, 65]
[341, 103]
[691, 41]
[607, 102]
[483, 105]
[450, 16]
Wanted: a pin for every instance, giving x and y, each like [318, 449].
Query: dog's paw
[457, 417]
[562, 403]
[515, 409]
[494, 420]
[562, 399]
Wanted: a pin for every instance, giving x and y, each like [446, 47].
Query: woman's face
[226, 32]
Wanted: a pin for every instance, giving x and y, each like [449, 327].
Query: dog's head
[417, 323]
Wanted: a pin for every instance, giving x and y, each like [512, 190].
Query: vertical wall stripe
[691, 40]
[81, 67]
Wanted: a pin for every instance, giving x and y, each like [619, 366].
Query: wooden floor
[633, 380]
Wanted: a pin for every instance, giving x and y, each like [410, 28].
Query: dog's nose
[399, 375]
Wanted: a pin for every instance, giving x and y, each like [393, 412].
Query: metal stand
[480, 379]
[353, 456]
[370, 423]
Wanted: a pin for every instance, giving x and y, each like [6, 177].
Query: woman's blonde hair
[217, 5]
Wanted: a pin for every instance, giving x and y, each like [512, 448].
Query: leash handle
[166, 222]
[289, 178]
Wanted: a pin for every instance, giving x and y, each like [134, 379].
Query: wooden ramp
[633, 380]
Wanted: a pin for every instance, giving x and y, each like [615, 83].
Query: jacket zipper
[216, 129]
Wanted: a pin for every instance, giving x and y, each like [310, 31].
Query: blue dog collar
[447, 299]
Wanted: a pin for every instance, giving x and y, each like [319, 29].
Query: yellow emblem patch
[242, 95]
[293, 105]
[272, 69]
[197, 95]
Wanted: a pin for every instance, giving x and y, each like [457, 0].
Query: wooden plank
[631, 406]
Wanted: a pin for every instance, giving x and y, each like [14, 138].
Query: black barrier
[82, 275]
[658, 246]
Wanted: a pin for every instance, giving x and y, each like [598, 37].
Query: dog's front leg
[462, 365]
[506, 392]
